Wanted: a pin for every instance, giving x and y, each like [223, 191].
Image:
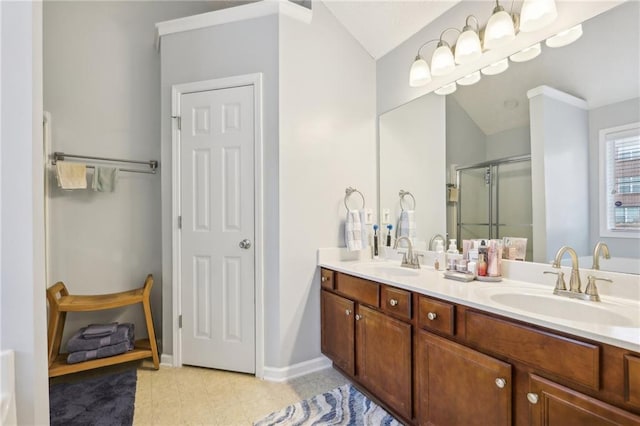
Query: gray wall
[244, 47]
[327, 142]
[509, 143]
[605, 117]
[102, 74]
[22, 302]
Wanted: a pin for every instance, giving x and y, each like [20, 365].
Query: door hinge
[179, 222]
[179, 321]
[178, 121]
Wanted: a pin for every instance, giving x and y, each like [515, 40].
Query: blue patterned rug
[341, 406]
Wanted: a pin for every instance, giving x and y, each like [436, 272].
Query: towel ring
[404, 193]
[348, 193]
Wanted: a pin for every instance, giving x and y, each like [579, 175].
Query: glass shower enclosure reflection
[495, 201]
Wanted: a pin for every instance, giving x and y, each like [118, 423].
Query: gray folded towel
[123, 333]
[99, 330]
[111, 350]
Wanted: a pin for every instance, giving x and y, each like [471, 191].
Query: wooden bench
[61, 302]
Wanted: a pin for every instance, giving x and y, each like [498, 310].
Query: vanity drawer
[632, 380]
[575, 361]
[361, 290]
[436, 315]
[396, 301]
[326, 278]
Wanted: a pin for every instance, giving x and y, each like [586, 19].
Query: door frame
[177, 90]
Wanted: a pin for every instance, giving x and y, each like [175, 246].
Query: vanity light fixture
[468, 47]
[442, 61]
[500, 28]
[469, 79]
[537, 14]
[420, 74]
[565, 37]
[527, 54]
[447, 89]
[496, 67]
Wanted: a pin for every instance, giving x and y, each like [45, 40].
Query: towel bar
[348, 193]
[404, 193]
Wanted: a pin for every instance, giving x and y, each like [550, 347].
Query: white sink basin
[388, 269]
[603, 313]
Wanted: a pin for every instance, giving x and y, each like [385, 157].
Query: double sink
[532, 300]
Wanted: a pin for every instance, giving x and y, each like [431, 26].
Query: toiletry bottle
[482, 250]
[375, 241]
[440, 261]
[452, 255]
[481, 265]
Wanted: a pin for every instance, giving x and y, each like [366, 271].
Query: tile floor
[200, 396]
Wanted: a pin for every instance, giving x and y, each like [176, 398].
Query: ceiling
[382, 25]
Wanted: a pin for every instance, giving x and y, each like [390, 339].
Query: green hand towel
[104, 179]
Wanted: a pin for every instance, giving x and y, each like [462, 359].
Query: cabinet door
[552, 404]
[456, 385]
[384, 358]
[337, 329]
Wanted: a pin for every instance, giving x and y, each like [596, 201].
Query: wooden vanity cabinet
[383, 354]
[552, 404]
[338, 330]
[434, 362]
[368, 343]
[456, 385]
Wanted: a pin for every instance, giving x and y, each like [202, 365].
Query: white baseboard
[166, 360]
[283, 374]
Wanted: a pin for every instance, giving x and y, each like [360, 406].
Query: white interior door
[217, 209]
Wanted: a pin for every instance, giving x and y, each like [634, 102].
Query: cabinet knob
[393, 302]
[323, 279]
[500, 382]
[358, 317]
[347, 311]
[432, 316]
[532, 397]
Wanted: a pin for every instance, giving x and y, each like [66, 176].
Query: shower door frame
[490, 222]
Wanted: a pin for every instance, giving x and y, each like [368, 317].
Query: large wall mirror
[489, 143]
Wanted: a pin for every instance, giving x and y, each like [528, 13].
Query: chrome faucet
[409, 259]
[436, 238]
[574, 282]
[600, 247]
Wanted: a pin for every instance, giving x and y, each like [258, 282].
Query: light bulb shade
[526, 54]
[565, 37]
[442, 62]
[470, 79]
[499, 29]
[537, 14]
[446, 90]
[468, 47]
[496, 68]
[419, 74]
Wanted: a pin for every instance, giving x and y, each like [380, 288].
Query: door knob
[500, 382]
[245, 244]
[532, 397]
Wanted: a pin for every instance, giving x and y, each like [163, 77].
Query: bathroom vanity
[441, 352]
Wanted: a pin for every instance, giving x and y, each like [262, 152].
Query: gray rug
[106, 400]
[340, 406]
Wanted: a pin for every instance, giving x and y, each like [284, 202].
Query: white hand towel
[407, 224]
[71, 175]
[353, 231]
[104, 179]
[365, 231]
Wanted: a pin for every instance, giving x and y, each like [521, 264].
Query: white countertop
[607, 321]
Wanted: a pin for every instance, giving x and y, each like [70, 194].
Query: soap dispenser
[452, 255]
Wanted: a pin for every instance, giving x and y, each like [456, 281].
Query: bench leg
[56, 326]
[150, 330]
